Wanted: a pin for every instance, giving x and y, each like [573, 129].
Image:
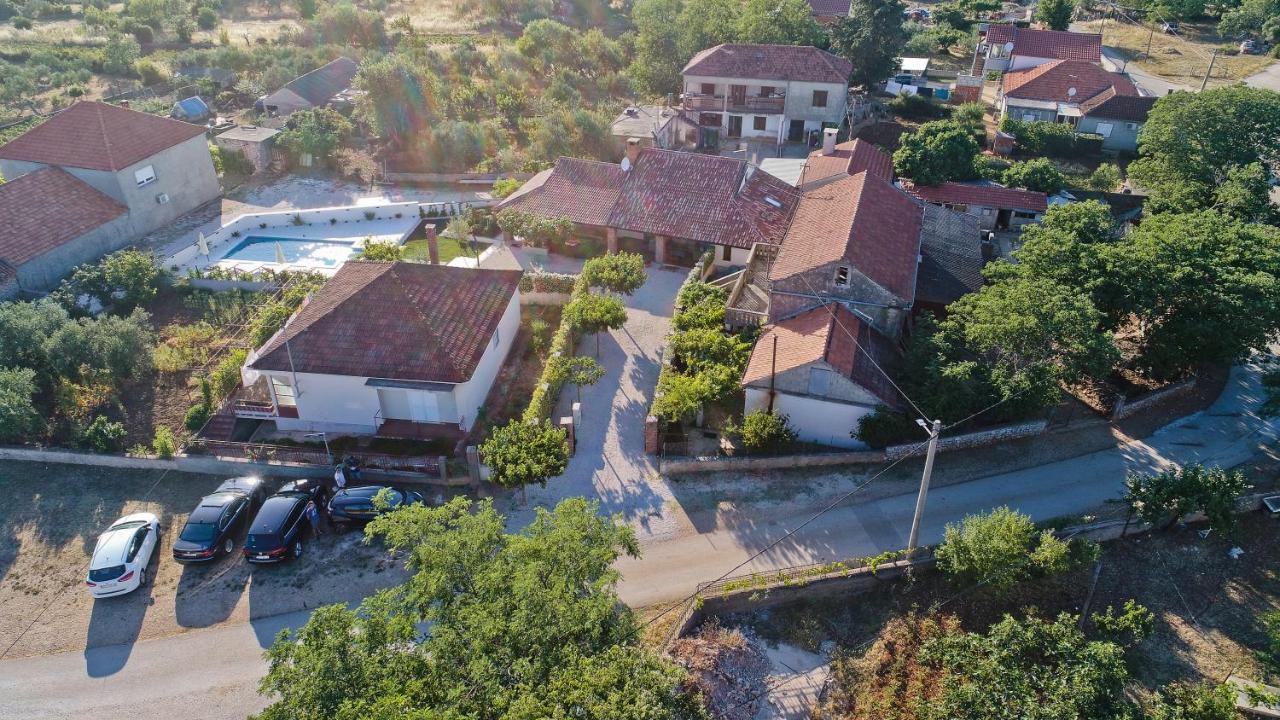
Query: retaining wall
[1004, 433]
[1127, 408]
[679, 465]
[544, 298]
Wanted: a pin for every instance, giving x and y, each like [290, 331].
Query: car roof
[135, 517]
[273, 513]
[207, 513]
[363, 492]
[298, 486]
[244, 485]
[111, 549]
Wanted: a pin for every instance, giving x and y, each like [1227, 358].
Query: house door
[737, 96]
[423, 407]
[795, 131]
[394, 404]
[735, 126]
[1002, 219]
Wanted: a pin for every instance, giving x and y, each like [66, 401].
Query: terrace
[736, 102]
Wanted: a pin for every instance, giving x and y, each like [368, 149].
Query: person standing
[313, 514]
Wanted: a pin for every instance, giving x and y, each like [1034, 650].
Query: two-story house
[783, 93]
[1003, 48]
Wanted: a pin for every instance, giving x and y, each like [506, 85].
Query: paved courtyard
[610, 464]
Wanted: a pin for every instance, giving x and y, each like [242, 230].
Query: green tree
[306, 9]
[24, 329]
[657, 61]
[1105, 179]
[1199, 286]
[702, 24]
[521, 453]
[1191, 140]
[938, 151]
[680, 396]
[594, 314]
[18, 417]
[119, 55]
[621, 273]
[207, 18]
[489, 625]
[1039, 175]
[502, 187]
[999, 549]
[779, 22]
[1055, 14]
[1245, 194]
[132, 278]
[870, 37]
[316, 132]
[766, 432]
[1033, 334]
[1028, 669]
[1164, 498]
[578, 370]
[382, 251]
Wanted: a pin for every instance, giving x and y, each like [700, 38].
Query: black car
[212, 527]
[359, 504]
[277, 531]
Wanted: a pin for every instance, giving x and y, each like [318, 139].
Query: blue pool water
[311, 253]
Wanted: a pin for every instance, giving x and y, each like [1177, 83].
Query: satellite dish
[626, 164]
[1008, 47]
[1071, 92]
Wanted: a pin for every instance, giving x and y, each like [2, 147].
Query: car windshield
[106, 573]
[198, 532]
[128, 525]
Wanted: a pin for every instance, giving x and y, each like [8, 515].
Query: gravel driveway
[610, 465]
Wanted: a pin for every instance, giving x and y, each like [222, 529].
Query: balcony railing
[262, 410]
[757, 104]
[693, 101]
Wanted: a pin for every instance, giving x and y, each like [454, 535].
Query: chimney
[433, 247]
[633, 153]
[829, 141]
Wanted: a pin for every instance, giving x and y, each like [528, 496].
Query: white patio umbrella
[202, 244]
[280, 255]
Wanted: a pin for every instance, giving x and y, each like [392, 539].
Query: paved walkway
[610, 464]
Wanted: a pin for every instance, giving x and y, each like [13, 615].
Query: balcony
[756, 104]
[695, 101]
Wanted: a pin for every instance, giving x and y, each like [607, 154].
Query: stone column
[611, 238]
[660, 249]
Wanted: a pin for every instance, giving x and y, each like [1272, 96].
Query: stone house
[782, 93]
[994, 206]
[256, 143]
[1117, 118]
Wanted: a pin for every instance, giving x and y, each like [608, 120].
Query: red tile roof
[44, 209]
[704, 198]
[1067, 81]
[982, 195]
[804, 63]
[396, 321]
[1114, 106]
[98, 136]
[831, 334]
[862, 219]
[1051, 44]
[850, 158]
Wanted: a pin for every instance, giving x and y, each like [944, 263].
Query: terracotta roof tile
[829, 8]
[1053, 44]
[850, 158]
[584, 191]
[46, 208]
[982, 195]
[1114, 106]
[862, 219]
[1067, 81]
[804, 63]
[98, 136]
[831, 334]
[397, 321]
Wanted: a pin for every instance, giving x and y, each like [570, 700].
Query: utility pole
[1210, 70]
[924, 483]
[1150, 36]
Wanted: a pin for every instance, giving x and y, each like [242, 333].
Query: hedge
[547, 282]
[547, 391]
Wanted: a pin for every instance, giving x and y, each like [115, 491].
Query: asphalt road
[216, 670]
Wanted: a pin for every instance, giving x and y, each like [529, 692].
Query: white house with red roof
[1059, 91]
[1005, 47]
[777, 92]
[393, 349]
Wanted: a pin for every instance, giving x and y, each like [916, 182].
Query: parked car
[120, 559]
[359, 505]
[278, 529]
[213, 526]
[1170, 27]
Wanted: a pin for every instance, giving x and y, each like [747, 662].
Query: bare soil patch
[1184, 57]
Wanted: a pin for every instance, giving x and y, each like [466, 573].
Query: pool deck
[385, 231]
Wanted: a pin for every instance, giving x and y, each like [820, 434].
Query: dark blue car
[281, 524]
[211, 529]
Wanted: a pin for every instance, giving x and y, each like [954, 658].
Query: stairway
[220, 427]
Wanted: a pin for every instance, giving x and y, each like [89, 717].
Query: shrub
[207, 18]
[1270, 657]
[141, 32]
[1105, 179]
[917, 107]
[270, 319]
[105, 436]
[502, 187]
[999, 549]
[539, 336]
[884, 427]
[164, 444]
[1039, 175]
[382, 252]
[133, 276]
[547, 282]
[18, 416]
[184, 29]
[197, 415]
[22, 23]
[226, 374]
[1042, 138]
[766, 432]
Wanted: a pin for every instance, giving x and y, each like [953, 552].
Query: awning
[1069, 110]
[409, 384]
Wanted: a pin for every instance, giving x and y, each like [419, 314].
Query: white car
[124, 551]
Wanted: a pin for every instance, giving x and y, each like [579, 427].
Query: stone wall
[1004, 433]
[680, 465]
[1128, 408]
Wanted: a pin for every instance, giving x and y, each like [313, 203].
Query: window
[757, 123]
[1131, 126]
[728, 253]
[497, 337]
[819, 381]
[1104, 129]
[819, 98]
[1024, 215]
[145, 176]
[1028, 117]
[986, 212]
[285, 395]
[842, 276]
[708, 88]
[766, 91]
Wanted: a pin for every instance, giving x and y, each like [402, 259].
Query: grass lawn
[1183, 58]
[449, 249]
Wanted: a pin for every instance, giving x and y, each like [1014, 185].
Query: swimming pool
[296, 251]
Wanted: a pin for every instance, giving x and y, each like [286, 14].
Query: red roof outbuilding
[982, 195]
[45, 209]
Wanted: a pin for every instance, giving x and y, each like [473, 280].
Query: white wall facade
[814, 420]
[736, 257]
[798, 104]
[470, 395]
